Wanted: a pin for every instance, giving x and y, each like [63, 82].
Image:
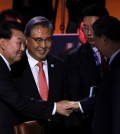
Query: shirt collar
[95, 49]
[32, 61]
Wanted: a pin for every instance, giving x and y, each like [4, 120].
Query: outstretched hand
[61, 108]
[74, 106]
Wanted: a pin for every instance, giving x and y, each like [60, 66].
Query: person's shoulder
[80, 51]
[18, 67]
[54, 58]
[55, 62]
[76, 50]
[22, 61]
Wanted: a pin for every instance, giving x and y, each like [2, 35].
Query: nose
[43, 44]
[90, 31]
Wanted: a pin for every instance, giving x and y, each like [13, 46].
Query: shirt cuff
[80, 107]
[54, 109]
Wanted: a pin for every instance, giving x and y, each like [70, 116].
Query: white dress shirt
[34, 68]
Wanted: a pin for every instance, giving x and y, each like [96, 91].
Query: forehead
[17, 34]
[39, 29]
[89, 20]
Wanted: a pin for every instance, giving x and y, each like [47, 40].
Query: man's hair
[95, 10]
[39, 20]
[10, 13]
[108, 26]
[6, 28]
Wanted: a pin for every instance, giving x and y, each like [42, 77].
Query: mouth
[42, 51]
[20, 53]
[90, 39]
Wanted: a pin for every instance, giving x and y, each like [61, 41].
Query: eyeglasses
[86, 29]
[39, 40]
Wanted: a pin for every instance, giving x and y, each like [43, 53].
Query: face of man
[39, 43]
[87, 29]
[102, 44]
[12, 49]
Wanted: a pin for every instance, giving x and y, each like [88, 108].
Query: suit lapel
[30, 79]
[3, 65]
[90, 63]
[25, 74]
[51, 73]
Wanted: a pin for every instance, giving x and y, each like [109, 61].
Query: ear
[2, 43]
[105, 39]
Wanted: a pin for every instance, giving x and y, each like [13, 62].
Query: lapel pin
[52, 65]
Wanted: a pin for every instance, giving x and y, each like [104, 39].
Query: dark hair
[39, 20]
[95, 10]
[108, 26]
[10, 13]
[7, 26]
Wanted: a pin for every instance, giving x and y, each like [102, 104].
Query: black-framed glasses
[39, 40]
[86, 29]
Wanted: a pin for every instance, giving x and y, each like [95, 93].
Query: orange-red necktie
[42, 82]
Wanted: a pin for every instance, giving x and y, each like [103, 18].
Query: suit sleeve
[10, 96]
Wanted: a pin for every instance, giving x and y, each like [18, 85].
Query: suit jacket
[82, 74]
[107, 109]
[27, 86]
[13, 104]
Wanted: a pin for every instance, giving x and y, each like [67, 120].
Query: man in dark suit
[107, 110]
[84, 74]
[10, 15]
[38, 32]
[13, 105]
[75, 8]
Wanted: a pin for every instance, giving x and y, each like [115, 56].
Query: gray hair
[39, 20]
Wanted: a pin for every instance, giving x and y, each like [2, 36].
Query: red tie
[42, 82]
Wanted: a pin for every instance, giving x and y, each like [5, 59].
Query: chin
[92, 43]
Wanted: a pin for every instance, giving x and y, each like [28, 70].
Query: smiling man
[38, 32]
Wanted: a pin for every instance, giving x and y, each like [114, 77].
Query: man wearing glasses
[83, 74]
[38, 32]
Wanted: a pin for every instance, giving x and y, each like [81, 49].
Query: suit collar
[114, 55]
[115, 61]
[7, 63]
[33, 62]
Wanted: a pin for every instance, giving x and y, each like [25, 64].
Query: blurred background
[62, 12]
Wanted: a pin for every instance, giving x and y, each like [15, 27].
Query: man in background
[75, 9]
[84, 74]
[10, 15]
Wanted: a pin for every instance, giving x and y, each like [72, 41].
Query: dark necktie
[104, 65]
[42, 82]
